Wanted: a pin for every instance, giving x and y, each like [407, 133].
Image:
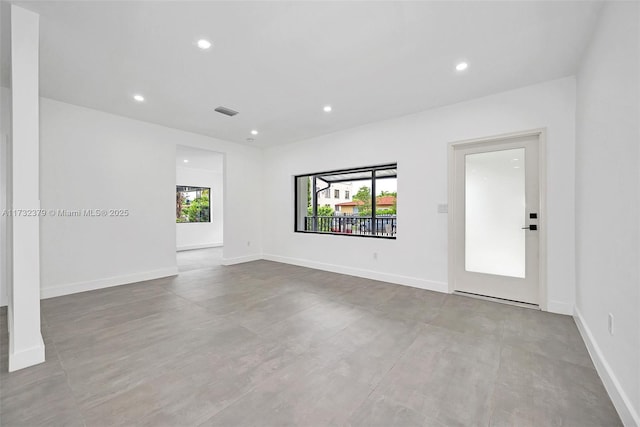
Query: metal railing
[381, 225]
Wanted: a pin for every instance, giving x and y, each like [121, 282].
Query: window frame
[373, 178]
[195, 188]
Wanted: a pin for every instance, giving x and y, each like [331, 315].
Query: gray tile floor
[267, 344]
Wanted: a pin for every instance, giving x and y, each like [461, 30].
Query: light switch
[443, 208]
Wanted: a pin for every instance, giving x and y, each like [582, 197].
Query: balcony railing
[381, 225]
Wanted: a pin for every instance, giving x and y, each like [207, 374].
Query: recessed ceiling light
[138, 98]
[327, 108]
[254, 132]
[186, 161]
[204, 44]
[462, 66]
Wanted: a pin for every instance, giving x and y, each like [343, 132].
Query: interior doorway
[199, 199]
[496, 218]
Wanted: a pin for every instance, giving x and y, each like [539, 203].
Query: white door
[496, 215]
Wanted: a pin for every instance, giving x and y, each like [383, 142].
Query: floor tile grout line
[117, 325]
[495, 380]
[297, 359]
[49, 325]
[400, 356]
[80, 413]
[387, 368]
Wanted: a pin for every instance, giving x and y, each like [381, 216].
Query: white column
[26, 347]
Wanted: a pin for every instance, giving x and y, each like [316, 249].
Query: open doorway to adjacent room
[199, 208]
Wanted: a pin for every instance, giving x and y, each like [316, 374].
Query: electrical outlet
[248, 242]
[610, 323]
[375, 255]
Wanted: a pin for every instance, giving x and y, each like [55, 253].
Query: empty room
[320, 213]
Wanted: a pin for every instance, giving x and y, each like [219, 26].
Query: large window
[371, 212]
[192, 204]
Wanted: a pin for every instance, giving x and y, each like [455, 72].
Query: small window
[192, 204]
[361, 215]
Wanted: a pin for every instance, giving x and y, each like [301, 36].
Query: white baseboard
[367, 274]
[620, 400]
[201, 246]
[241, 259]
[27, 357]
[72, 288]
[559, 307]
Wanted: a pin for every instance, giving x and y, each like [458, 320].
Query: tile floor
[268, 344]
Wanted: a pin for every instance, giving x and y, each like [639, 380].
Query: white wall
[94, 160]
[202, 234]
[419, 144]
[608, 203]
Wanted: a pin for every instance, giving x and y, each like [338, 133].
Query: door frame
[540, 133]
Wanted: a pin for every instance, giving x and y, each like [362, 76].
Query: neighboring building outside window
[324, 197]
[357, 212]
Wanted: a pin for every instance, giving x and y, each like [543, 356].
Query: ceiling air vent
[226, 111]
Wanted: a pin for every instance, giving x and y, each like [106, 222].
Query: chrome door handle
[532, 227]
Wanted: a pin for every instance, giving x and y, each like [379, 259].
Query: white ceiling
[199, 159]
[279, 63]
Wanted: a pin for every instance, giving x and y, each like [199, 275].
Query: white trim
[201, 246]
[560, 307]
[4, 241]
[72, 288]
[542, 178]
[414, 282]
[28, 357]
[241, 259]
[620, 400]
[542, 230]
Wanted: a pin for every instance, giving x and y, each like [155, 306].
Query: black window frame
[373, 218]
[191, 188]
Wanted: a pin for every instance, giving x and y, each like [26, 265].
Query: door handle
[532, 227]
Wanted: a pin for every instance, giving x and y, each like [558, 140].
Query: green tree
[364, 195]
[198, 209]
[391, 211]
[322, 211]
